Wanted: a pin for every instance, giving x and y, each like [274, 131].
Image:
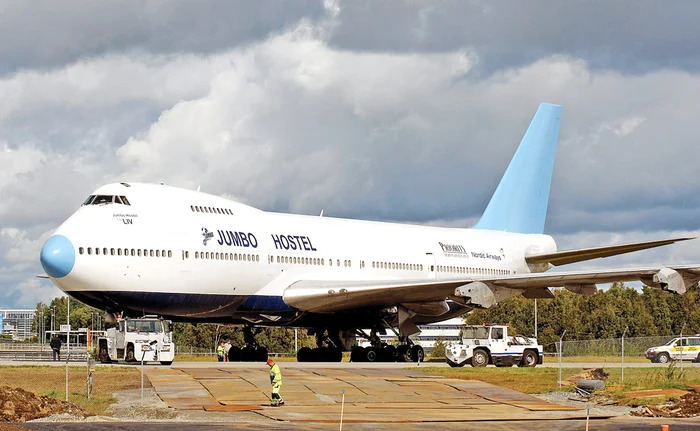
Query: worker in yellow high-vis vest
[276, 381]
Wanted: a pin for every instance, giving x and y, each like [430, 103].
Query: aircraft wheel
[357, 354]
[371, 355]
[388, 354]
[404, 353]
[248, 354]
[418, 353]
[261, 354]
[234, 354]
[304, 354]
[336, 354]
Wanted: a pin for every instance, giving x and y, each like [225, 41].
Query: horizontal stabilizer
[583, 254]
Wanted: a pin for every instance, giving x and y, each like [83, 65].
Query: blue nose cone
[58, 256]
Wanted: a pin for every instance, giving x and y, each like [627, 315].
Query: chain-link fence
[634, 347]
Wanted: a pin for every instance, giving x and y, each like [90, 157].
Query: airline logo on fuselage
[292, 242]
[453, 250]
[207, 235]
[237, 239]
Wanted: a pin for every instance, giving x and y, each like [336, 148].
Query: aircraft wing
[583, 254]
[481, 291]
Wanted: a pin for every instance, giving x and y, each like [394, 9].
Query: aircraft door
[431, 265]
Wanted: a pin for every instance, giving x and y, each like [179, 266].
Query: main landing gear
[251, 352]
[332, 351]
[379, 351]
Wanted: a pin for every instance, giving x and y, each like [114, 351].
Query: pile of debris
[18, 405]
[588, 374]
[687, 406]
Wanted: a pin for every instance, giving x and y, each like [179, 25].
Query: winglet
[520, 201]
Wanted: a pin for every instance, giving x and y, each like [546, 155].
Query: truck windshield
[144, 326]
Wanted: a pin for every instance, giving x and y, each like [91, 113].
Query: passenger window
[97, 251]
[81, 250]
[170, 253]
[89, 250]
[138, 252]
[111, 251]
[119, 252]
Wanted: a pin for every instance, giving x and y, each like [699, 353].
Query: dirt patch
[687, 406]
[589, 374]
[18, 405]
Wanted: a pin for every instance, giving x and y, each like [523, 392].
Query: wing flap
[580, 255]
[333, 295]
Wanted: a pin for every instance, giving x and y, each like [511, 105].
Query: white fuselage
[194, 256]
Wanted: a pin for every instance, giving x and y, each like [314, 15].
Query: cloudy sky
[402, 111]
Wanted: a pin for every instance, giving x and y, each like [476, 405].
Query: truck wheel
[166, 362]
[371, 355]
[130, 356]
[104, 355]
[529, 359]
[480, 358]
[697, 360]
[663, 358]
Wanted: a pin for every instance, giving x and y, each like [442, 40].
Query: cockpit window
[104, 199]
[101, 200]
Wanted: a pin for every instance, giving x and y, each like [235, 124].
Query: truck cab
[491, 344]
[147, 339]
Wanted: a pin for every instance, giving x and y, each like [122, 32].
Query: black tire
[130, 355]
[234, 354]
[697, 360]
[388, 354]
[454, 364]
[503, 365]
[248, 354]
[663, 358]
[166, 362]
[357, 354]
[480, 358]
[529, 359]
[104, 355]
[335, 354]
[304, 354]
[418, 353]
[371, 355]
[261, 354]
[404, 353]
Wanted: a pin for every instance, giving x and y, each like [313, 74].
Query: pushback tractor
[491, 344]
[147, 339]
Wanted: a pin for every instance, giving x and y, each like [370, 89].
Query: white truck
[148, 338]
[490, 344]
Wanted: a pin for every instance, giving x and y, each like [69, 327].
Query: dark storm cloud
[46, 34]
[629, 36]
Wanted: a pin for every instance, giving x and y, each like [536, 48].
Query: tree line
[606, 314]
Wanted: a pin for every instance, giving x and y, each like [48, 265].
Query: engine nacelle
[582, 289]
[671, 280]
[437, 308]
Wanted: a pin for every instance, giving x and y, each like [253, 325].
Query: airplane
[135, 249]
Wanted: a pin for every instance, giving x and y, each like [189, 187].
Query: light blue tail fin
[520, 201]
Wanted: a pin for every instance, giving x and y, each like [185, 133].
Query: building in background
[18, 323]
[1, 326]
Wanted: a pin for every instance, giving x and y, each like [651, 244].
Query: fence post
[623, 355]
[681, 341]
[561, 350]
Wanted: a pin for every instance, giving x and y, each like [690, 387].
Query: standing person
[56, 347]
[227, 348]
[276, 381]
[220, 351]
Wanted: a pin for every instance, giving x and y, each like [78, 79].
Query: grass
[553, 359]
[51, 381]
[540, 380]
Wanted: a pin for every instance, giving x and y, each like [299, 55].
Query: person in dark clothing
[56, 347]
